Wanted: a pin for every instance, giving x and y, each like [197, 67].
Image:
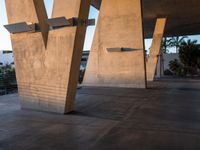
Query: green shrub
[168, 72]
[176, 68]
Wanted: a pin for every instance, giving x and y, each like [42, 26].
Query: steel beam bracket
[22, 27]
[121, 49]
[60, 22]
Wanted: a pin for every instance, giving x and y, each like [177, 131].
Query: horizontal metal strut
[121, 49]
[63, 22]
[21, 27]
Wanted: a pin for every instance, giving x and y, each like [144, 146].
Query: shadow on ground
[166, 116]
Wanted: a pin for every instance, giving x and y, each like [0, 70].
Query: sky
[5, 43]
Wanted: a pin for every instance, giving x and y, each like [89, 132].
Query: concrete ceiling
[183, 16]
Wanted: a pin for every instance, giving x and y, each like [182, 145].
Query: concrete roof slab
[183, 16]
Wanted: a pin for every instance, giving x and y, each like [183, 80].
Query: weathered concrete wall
[155, 48]
[119, 25]
[47, 76]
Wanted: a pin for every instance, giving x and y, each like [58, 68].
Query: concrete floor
[164, 117]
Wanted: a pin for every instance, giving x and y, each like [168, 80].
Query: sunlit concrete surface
[117, 28]
[166, 116]
[155, 49]
[47, 63]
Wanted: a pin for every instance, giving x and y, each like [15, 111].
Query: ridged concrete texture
[47, 62]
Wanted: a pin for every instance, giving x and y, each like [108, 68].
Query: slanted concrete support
[47, 62]
[117, 55]
[155, 48]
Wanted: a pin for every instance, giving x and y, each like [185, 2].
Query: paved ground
[164, 117]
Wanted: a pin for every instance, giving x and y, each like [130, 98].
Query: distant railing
[8, 82]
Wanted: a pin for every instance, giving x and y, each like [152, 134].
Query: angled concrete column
[155, 48]
[47, 62]
[117, 55]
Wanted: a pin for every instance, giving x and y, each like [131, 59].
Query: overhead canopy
[96, 3]
[183, 16]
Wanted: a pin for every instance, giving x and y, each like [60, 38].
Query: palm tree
[176, 41]
[166, 43]
[172, 42]
[189, 53]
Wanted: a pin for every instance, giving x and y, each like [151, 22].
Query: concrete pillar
[155, 48]
[47, 62]
[117, 55]
[158, 68]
